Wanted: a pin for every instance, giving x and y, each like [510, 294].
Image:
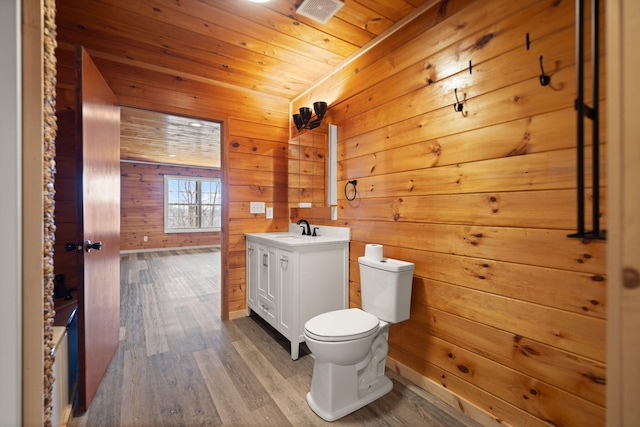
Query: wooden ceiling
[149, 136]
[263, 47]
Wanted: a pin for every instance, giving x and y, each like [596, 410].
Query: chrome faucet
[307, 231]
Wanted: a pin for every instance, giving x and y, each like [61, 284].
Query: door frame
[35, 285]
[623, 226]
[10, 212]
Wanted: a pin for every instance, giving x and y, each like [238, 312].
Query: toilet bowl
[350, 346]
[347, 374]
[342, 337]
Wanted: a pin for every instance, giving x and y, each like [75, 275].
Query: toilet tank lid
[387, 264]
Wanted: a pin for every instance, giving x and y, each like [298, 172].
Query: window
[192, 204]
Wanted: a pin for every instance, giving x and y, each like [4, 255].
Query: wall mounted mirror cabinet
[312, 169]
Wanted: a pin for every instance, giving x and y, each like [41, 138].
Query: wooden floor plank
[179, 365]
[206, 310]
[155, 336]
[291, 403]
[137, 407]
[253, 395]
[180, 397]
[272, 344]
[220, 387]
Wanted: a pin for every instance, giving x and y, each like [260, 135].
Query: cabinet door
[267, 306]
[273, 267]
[287, 294]
[253, 274]
[263, 270]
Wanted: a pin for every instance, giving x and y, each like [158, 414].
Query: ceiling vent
[320, 10]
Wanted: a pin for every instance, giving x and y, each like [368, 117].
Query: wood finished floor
[178, 364]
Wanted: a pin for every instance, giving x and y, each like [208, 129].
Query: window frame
[199, 180]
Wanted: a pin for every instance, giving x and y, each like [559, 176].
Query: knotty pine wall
[142, 208]
[507, 312]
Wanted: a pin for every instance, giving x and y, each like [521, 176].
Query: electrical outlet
[269, 213]
[145, 239]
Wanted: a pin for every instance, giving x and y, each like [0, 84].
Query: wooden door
[98, 130]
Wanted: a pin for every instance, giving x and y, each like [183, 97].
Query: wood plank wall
[142, 208]
[507, 312]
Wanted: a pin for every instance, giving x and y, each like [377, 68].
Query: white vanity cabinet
[289, 281]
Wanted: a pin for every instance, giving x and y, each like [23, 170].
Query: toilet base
[379, 388]
[338, 390]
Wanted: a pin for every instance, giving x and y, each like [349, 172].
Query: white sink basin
[290, 239]
[295, 236]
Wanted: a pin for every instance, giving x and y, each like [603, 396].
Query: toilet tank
[385, 288]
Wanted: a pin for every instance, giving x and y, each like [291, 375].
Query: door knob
[95, 245]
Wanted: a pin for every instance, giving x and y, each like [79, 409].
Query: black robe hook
[457, 107]
[544, 79]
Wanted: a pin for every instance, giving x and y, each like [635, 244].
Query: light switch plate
[256, 207]
[269, 213]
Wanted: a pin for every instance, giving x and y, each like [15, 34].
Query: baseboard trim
[133, 251]
[237, 314]
[458, 403]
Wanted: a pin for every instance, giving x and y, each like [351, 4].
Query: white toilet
[350, 346]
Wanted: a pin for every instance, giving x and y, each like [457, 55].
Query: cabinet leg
[295, 350]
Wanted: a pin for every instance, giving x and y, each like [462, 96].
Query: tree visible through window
[192, 204]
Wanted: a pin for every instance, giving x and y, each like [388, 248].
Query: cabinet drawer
[267, 310]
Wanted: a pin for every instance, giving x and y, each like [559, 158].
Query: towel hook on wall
[458, 107]
[544, 79]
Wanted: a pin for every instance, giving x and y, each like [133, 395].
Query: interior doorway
[154, 148]
[171, 181]
[153, 145]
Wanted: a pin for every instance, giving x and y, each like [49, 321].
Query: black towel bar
[592, 113]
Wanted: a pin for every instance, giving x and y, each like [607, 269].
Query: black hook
[458, 105]
[544, 79]
[528, 42]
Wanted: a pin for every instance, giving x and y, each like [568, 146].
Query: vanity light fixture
[303, 119]
[259, 1]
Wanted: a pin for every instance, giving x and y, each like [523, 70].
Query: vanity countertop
[293, 238]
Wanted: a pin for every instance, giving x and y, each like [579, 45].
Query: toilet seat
[341, 325]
